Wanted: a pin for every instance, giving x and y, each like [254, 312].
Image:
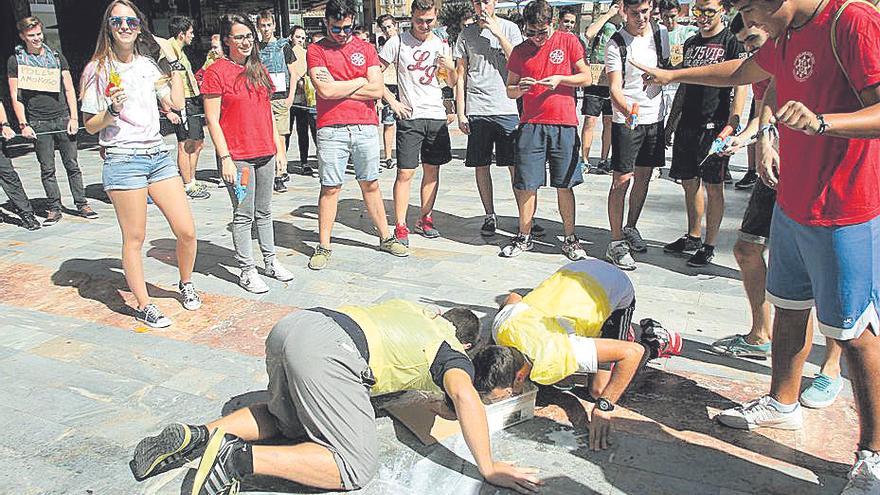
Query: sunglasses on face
[117, 21]
[707, 13]
[238, 38]
[347, 29]
[532, 33]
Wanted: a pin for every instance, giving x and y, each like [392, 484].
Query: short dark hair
[669, 5]
[564, 11]
[339, 9]
[422, 6]
[267, 14]
[179, 24]
[28, 23]
[496, 366]
[537, 12]
[466, 323]
[296, 28]
[359, 29]
[737, 24]
[631, 3]
[385, 17]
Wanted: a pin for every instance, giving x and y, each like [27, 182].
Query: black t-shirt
[39, 105]
[289, 58]
[704, 104]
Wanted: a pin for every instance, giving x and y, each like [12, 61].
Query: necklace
[795, 28]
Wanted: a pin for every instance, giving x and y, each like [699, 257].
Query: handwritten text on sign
[39, 79]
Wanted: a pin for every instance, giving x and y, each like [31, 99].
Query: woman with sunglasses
[236, 89]
[121, 90]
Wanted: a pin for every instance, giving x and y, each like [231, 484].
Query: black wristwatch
[823, 126]
[5, 124]
[22, 125]
[605, 405]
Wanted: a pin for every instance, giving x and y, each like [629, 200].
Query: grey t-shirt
[487, 69]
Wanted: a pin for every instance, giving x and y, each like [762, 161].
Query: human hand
[526, 83]
[173, 118]
[507, 475]
[228, 171]
[795, 115]
[117, 98]
[29, 132]
[550, 81]
[490, 23]
[400, 110]
[653, 75]
[767, 162]
[464, 124]
[600, 428]
[8, 133]
[734, 144]
[72, 127]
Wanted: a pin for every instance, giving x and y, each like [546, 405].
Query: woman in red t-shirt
[236, 90]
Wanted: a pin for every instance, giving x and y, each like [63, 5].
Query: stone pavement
[81, 382]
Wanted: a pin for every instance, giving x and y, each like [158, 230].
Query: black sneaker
[176, 445]
[517, 246]
[285, 177]
[684, 244]
[307, 170]
[602, 168]
[52, 217]
[217, 474]
[538, 230]
[489, 226]
[29, 221]
[702, 257]
[280, 187]
[748, 180]
[86, 211]
[152, 316]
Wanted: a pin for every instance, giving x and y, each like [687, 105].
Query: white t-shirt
[652, 106]
[419, 86]
[138, 124]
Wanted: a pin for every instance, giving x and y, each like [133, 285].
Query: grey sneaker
[152, 316]
[277, 271]
[572, 249]
[634, 239]
[252, 282]
[191, 299]
[864, 477]
[760, 413]
[489, 226]
[618, 255]
[197, 193]
[394, 247]
[738, 346]
[319, 258]
[517, 246]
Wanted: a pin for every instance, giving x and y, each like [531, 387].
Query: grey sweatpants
[256, 207]
[316, 389]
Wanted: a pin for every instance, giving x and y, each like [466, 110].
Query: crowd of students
[651, 83]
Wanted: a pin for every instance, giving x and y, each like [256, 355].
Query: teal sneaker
[737, 346]
[822, 392]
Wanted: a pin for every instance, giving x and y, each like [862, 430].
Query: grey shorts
[316, 390]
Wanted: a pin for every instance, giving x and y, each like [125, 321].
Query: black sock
[710, 249]
[200, 435]
[243, 459]
[694, 238]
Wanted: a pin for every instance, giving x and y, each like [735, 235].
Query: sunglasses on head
[531, 33]
[707, 13]
[132, 22]
[347, 29]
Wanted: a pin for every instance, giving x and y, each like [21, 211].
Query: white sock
[189, 185]
[783, 408]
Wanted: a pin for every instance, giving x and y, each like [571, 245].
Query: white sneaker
[618, 254]
[277, 271]
[252, 282]
[634, 239]
[864, 477]
[760, 413]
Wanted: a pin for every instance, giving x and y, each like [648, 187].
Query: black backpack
[662, 48]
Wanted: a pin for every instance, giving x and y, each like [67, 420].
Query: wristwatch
[22, 125]
[823, 126]
[605, 405]
[5, 124]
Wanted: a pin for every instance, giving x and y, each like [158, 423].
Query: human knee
[747, 252]
[620, 183]
[590, 122]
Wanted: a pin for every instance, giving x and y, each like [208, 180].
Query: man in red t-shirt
[825, 61]
[544, 70]
[347, 77]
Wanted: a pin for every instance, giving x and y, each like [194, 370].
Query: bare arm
[17, 106]
[584, 76]
[175, 99]
[737, 105]
[329, 89]
[615, 87]
[597, 26]
[491, 23]
[517, 86]
[862, 124]
[70, 95]
[375, 87]
[731, 73]
[461, 66]
[627, 358]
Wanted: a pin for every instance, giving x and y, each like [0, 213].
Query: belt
[155, 150]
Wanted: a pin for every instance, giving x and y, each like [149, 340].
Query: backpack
[834, 42]
[661, 43]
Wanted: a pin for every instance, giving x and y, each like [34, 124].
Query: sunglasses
[117, 21]
[532, 33]
[347, 29]
[707, 13]
[238, 38]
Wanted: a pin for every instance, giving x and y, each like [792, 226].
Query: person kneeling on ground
[323, 366]
[572, 323]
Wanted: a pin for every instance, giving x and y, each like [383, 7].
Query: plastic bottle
[241, 184]
[634, 116]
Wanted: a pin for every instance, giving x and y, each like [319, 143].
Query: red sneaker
[670, 342]
[401, 233]
[425, 226]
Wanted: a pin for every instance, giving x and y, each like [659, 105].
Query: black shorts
[691, 146]
[539, 144]
[488, 131]
[193, 127]
[597, 101]
[755, 226]
[618, 326]
[639, 147]
[427, 139]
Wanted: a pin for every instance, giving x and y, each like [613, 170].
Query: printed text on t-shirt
[698, 56]
[421, 56]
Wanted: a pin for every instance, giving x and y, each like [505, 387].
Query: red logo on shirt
[803, 66]
[557, 56]
[358, 59]
[421, 57]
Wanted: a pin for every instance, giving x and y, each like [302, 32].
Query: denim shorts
[540, 144]
[338, 144]
[835, 269]
[137, 171]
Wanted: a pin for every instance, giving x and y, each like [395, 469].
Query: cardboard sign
[676, 55]
[600, 78]
[39, 79]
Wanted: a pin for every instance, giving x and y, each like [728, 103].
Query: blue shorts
[540, 144]
[338, 144]
[137, 171]
[835, 269]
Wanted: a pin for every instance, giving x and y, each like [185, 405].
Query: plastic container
[512, 411]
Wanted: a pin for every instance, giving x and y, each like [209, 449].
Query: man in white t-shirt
[637, 144]
[424, 66]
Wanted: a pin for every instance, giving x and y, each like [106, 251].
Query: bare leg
[863, 358]
[375, 206]
[714, 212]
[525, 200]
[792, 340]
[328, 201]
[483, 176]
[695, 204]
[831, 365]
[169, 197]
[131, 213]
[250, 423]
[616, 200]
[638, 195]
[565, 200]
[388, 138]
[750, 258]
[193, 149]
[587, 136]
[606, 136]
[183, 163]
[430, 185]
[401, 194]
